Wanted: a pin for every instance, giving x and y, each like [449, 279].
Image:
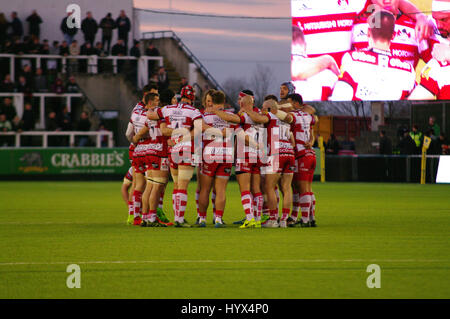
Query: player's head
[296, 100]
[271, 97]
[246, 102]
[206, 99]
[286, 88]
[218, 99]
[298, 41]
[151, 100]
[387, 5]
[149, 88]
[245, 93]
[441, 13]
[269, 105]
[381, 27]
[166, 97]
[188, 94]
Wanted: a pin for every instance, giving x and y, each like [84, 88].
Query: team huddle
[270, 149]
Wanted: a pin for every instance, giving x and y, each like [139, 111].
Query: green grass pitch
[45, 226]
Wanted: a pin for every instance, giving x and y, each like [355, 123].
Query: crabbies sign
[53, 161]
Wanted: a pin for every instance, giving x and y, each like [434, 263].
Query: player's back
[138, 119]
[278, 136]
[301, 128]
[179, 115]
[373, 75]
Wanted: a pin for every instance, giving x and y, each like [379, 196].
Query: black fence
[379, 168]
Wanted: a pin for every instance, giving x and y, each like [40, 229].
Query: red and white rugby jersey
[404, 46]
[253, 130]
[327, 24]
[180, 116]
[373, 75]
[138, 119]
[157, 142]
[316, 88]
[300, 126]
[139, 106]
[217, 147]
[278, 136]
[435, 78]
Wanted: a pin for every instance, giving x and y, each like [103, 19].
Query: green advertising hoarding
[56, 161]
[66, 161]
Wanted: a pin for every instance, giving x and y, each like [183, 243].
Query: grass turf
[45, 226]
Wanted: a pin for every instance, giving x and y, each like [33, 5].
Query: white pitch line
[227, 261]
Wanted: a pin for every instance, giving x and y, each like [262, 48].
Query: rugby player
[374, 74]
[435, 77]
[126, 195]
[217, 161]
[280, 164]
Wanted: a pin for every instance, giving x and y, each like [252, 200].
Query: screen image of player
[370, 50]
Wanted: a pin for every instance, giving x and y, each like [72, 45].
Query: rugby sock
[305, 206]
[265, 209]
[277, 192]
[285, 214]
[258, 201]
[161, 199]
[197, 195]
[246, 199]
[175, 211]
[213, 200]
[152, 215]
[130, 208]
[295, 205]
[312, 212]
[137, 203]
[202, 216]
[182, 198]
[273, 214]
[146, 216]
[219, 215]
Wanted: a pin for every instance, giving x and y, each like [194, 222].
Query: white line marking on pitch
[226, 261]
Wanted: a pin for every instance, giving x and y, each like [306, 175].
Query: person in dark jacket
[406, 144]
[4, 24]
[119, 48]
[28, 121]
[83, 125]
[135, 51]
[69, 33]
[64, 49]
[7, 85]
[332, 146]
[16, 26]
[34, 21]
[89, 27]
[123, 28]
[107, 25]
[385, 144]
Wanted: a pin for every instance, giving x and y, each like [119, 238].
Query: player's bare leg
[286, 189]
[220, 186]
[145, 198]
[246, 196]
[174, 173]
[203, 201]
[137, 197]
[271, 182]
[158, 181]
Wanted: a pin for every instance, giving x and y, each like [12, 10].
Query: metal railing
[172, 34]
[92, 63]
[71, 134]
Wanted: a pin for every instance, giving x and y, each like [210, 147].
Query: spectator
[118, 49]
[153, 80]
[123, 28]
[52, 125]
[34, 20]
[40, 82]
[35, 47]
[406, 144]
[135, 51]
[69, 33]
[8, 47]
[72, 86]
[442, 144]
[385, 144]
[107, 25]
[89, 27]
[16, 26]
[18, 47]
[435, 127]
[74, 48]
[332, 146]
[23, 86]
[87, 49]
[58, 86]
[183, 83]
[45, 49]
[83, 125]
[28, 118]
[434, 148]
[99, 49]
[54, 49]
[8, 109]
[103, 138]
[151, 51]
[417, 137]
[163, 79]
[64, 49]
[65, 121]
[5, 126]
[3, 30]
[7, 84]
[27, 72]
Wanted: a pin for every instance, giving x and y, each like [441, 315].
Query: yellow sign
[426, 142]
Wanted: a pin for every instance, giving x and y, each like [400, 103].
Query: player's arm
[229, 117]
[424, 26]
[140, 134]
[312, 138]
[292, 139]
[256, 117]
[285, 117]
[152, 115]
[247, 139]
[165, 130]
[309, 109]
[421, 93]
[306, 68]
[130, 132]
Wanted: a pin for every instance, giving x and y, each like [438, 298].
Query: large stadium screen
[367, 50]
